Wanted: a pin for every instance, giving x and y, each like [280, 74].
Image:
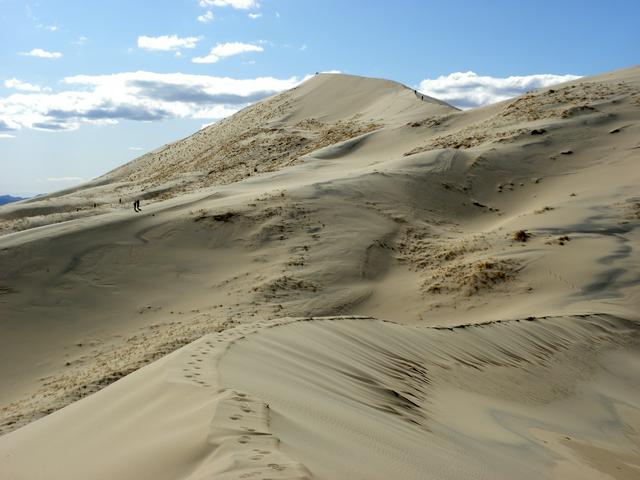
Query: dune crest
[354, 397]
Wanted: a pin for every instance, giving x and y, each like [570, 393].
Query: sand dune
[345, 196]
[358, 398]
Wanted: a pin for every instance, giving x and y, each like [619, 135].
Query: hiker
[136, 206]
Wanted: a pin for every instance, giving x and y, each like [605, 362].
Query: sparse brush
[520, 236]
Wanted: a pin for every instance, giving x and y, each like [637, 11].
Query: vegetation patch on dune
[285, 286]
[248, 143]
[454, 266]
[563, 102]
[107, 366]
[468, 278]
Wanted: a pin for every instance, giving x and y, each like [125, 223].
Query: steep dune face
[390, 206]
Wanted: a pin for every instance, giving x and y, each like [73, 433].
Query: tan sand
[344, 196]
[358, 398]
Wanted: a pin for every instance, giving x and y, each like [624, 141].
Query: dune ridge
[313, 397]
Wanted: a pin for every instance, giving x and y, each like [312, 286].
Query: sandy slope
[358, 398]
[357, 197]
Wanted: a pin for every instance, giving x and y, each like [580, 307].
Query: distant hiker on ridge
[136, 206]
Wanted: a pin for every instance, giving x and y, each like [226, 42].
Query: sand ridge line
[198, 362]
[423, 398]
[240, 429]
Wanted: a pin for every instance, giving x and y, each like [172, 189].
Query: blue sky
[88, 85]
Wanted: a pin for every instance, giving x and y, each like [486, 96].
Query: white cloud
[237, 4]
[469, 90]
[166, 43]
[81, 40]
[223, 50]
[134, 96]
[50, 28]
[303, 47]
[234, 48]
[253, 16]
[39, 52]
[16, 84]
[206, 18]
[6, 135]
[206, 59]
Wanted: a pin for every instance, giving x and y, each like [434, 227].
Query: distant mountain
[9, 199]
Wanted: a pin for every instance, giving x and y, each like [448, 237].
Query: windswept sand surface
[349, 397]
[501, 245]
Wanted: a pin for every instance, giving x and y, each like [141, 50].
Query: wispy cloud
[6, 135]
[253, 16]
[49, 28]
[39, 52]
[166, 42]
[469, 90]
[81, 40]
[206, 17]
[237, 4]
[135, 96]
[223, 50]
[16, 84]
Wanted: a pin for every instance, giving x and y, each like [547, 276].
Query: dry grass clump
[543, 210]
[559, 241]
[421, 251]
[520, 236]
[431, 121]
[468, 138]
[284, 286]
[467, 279]
[106, 365]
[553, 102]
[448, 266]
